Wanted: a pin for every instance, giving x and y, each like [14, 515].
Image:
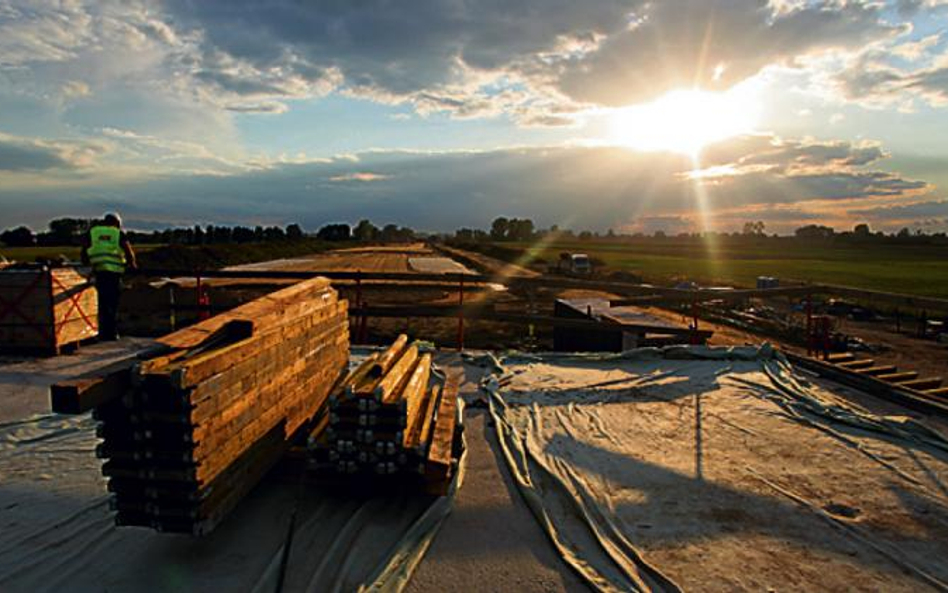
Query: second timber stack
[201, 425]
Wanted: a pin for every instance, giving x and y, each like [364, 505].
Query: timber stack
[192, 429]
[390, 417]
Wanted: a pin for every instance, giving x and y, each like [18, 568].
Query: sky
[631, 115]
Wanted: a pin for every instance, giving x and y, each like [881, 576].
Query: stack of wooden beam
[196, 427]
[390, 417]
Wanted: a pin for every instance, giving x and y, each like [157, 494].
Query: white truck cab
[579, 264]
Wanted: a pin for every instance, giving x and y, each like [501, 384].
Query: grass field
[189, 257]
[29, 254]
[909, 269]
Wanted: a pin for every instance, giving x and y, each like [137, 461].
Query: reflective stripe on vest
[105, 249]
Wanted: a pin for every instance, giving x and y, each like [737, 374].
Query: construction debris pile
[385, 420]
[194, 429]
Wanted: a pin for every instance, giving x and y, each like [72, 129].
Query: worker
[109, 252]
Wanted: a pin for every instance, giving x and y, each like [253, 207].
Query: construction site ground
[705, 519]
[55, 523]
[888, 342]
[51, 494]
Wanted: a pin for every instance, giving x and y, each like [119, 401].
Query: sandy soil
[437, 265]
[486, 264]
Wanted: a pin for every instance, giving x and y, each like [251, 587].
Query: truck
[577, 264]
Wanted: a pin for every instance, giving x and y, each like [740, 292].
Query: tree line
[523, 230]
[72, 231]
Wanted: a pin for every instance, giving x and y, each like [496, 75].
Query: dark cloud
[28, 155]
[17, 157]
[681, 43]
[900, 212]
[535, 61]
[609, 52]
[595, 187]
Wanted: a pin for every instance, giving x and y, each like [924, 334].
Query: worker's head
[113, 219]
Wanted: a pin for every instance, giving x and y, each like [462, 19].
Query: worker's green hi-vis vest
[105, 250]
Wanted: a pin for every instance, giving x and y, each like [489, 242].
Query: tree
[755, 229]
[464, 235]
[365, 231]
[295, 233]
[18, 237]
[499, 228]
[520, 229]
[334, 232]
[67, 231]
[862, 231]
[273, 233]
[242, 234]
[814, 232]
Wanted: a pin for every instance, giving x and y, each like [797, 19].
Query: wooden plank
[440, 453]
[414, 392]
[388, 358]
[899, 377]
[838, 357]
[278, 307]
[915, 400]
[923, 384]
[190, 371]
[361, 378]
[857, 364]
[267, 368]
[418, 437]
[388, 388]
[80, 395]
[877, 370]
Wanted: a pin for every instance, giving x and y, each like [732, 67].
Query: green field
[921, 270]
[29, 254]
[188, 257]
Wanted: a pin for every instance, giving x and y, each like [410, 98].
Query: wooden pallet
[45, 309]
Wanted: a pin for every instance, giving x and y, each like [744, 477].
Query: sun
[686, 120]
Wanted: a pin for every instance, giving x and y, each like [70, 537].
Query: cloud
[791, 156]
[363, 176]
[904, 212]
[526, 59]
[898, 73]
[578, 186]
[875, 84]
[262, 107]
[19, 154]
[714, 44]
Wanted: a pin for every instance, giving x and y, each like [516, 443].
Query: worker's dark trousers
[109, 287]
